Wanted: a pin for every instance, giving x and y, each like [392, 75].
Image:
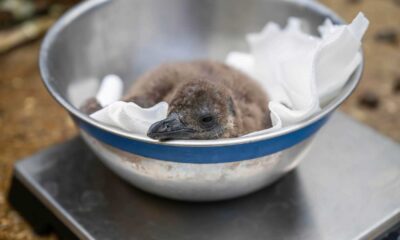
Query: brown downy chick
[207, 100]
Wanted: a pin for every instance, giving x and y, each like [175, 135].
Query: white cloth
[131, 117]
[126, 116]
[110, 90]
[298, 71]
[301, 72]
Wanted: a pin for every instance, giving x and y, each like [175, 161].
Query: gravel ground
[30, 119]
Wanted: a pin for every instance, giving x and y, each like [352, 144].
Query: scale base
[346, 188]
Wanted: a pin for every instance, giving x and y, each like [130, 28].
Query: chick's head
[199, 110]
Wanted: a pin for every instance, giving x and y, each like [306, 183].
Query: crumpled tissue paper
[131, 117]
[299, 72]
[125, 115]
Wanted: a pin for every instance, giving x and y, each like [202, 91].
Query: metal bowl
[127, 37]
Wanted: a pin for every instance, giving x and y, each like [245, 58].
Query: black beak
[169, 128]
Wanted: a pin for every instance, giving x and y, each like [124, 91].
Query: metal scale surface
[348, 187]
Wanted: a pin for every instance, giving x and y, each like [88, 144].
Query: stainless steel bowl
[127, 37]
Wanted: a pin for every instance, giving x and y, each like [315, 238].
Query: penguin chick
[207, 100]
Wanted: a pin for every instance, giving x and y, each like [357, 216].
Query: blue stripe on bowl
[217, 154]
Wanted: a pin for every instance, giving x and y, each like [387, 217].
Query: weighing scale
[348, 187]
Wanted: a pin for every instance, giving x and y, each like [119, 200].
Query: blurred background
[31, 120]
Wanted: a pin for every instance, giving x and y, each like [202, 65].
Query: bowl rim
[86, 6]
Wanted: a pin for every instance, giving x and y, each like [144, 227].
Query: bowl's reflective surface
[127, 37]
[198, 182]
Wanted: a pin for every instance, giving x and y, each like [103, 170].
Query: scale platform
[348, 187]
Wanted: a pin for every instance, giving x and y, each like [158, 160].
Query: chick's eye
[207, 121]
